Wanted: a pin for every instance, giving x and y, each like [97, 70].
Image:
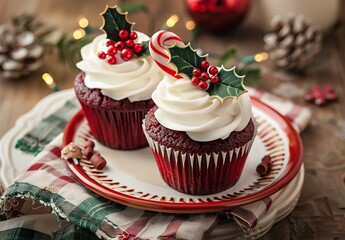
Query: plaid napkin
[68, 199]
[298, 115]
[42, 134]
[49, 183]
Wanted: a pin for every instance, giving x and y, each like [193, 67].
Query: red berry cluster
[126, 45]
[204, 76]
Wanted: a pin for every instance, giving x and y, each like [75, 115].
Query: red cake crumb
[115, 124]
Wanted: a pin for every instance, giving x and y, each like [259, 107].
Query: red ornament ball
[111, 60]
[133, 35]
[203, 85]
[120, 45]
[123, 34]
[112, 50]
[102, 55]
[138, 48]
[129, 43]
[126, 54]
[204, 64]
[109, 42]
[213, 70]
[218, 17]
[195, 80]
[196, 72]
[204, 76]
[214, 79]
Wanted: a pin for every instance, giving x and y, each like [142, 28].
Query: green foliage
[230, 53]
[253, 74]
[69, 49]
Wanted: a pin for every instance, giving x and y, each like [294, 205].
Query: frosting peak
[183, 107]
[135, 79]
[185, 98]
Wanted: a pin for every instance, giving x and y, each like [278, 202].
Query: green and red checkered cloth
[49, 182]
[48, 186]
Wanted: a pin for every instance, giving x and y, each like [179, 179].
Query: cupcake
[202, 127]
[116, 81]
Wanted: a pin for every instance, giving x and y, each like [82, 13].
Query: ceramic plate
[132, 178]
[283, 202]
[13, 161]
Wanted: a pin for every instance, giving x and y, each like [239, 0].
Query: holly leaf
[146, 50]
[113, 22]
[229, 86]
[185, 59]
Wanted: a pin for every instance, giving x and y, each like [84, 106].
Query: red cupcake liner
[117, 129]
[199, 174]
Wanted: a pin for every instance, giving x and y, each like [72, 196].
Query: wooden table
[320, 212]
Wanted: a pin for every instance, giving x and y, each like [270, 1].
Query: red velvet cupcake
[202, 128]
[198, 167]
[116, 124]
[115, 86]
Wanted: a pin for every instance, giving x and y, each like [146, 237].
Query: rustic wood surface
[320, 212]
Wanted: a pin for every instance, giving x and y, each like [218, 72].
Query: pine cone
[19, 53]
[293, 43]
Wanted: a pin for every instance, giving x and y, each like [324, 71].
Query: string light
[172, 21]
[83, 30]
[49, 80]
[260, 57]
[190, 25]
[83, 22]
[79, 33]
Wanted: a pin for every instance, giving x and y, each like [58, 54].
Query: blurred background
[212, 26]
[294, 49]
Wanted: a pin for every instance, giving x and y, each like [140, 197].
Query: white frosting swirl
[184, 107]
[135, 79]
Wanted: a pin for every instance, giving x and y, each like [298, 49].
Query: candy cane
[159, 53]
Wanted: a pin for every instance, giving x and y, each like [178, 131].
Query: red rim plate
[289, 172]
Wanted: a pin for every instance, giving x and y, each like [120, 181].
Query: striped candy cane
[159, 53]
